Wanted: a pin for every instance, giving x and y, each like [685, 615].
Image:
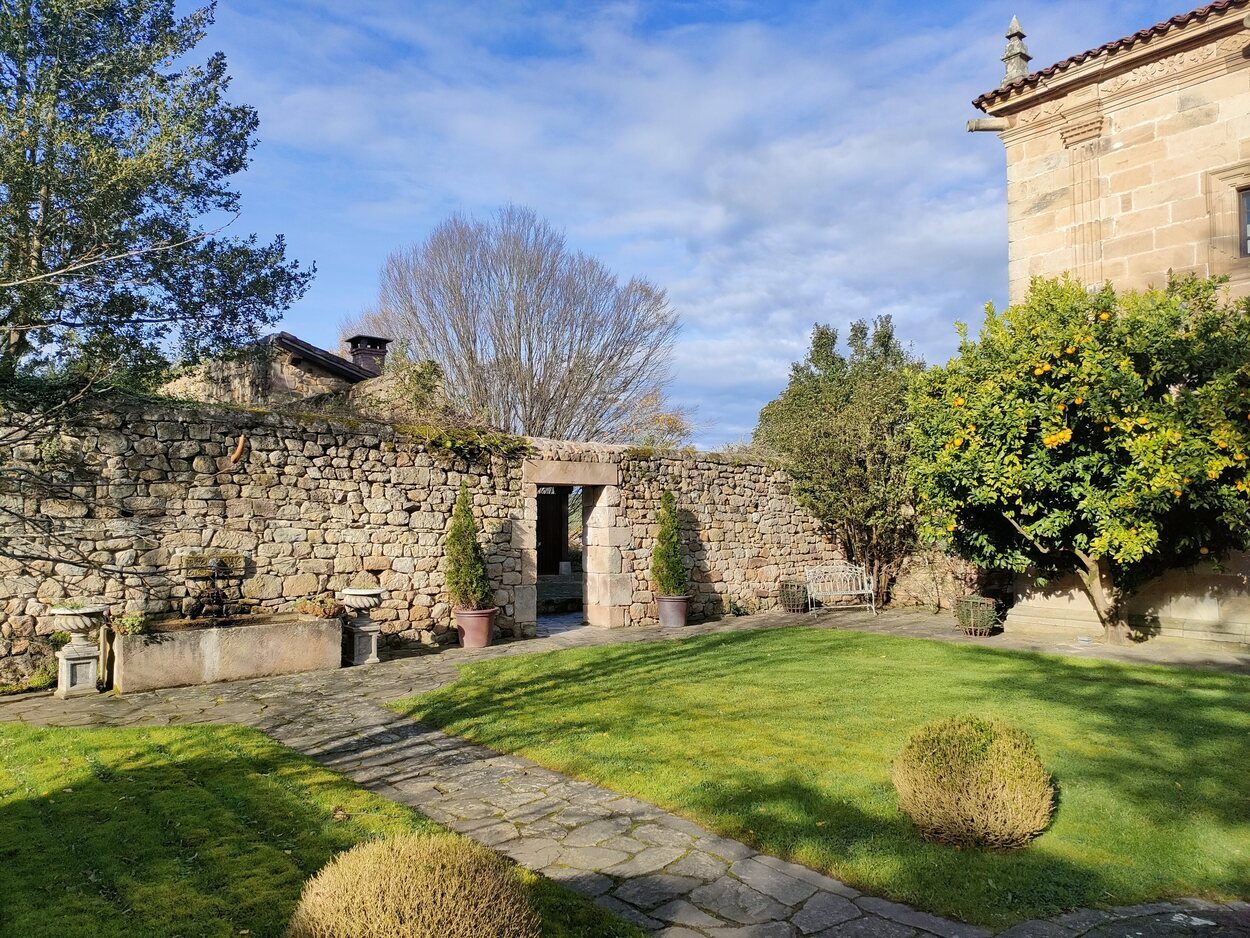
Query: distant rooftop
[335, 364]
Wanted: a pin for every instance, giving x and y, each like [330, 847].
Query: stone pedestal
[360, 641]
[360, 634]
[78, 667]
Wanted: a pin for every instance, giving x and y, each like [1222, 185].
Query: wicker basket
[793, 595]
[976, 615]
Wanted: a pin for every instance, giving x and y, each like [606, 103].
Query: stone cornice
[1180, 51]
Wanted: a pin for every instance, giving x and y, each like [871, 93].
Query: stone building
[1126, 162]
[1131, 159]
[281, 369]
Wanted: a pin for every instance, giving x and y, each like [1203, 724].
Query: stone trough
[235, 648]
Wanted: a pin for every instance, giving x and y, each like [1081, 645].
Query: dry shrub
[415, 886]
[967, 781]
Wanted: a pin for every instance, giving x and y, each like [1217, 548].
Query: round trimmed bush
[967, 781]
[415, 886]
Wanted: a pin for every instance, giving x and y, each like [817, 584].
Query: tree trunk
[1100, 585]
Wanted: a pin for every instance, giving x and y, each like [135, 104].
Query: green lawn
[188, 832]
[784, 740]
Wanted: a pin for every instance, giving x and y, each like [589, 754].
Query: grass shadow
[188, 831]
[784, 739]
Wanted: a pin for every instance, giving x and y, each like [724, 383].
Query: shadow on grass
[748, 732]
[189, 832]
[801, 822]
[155, 841]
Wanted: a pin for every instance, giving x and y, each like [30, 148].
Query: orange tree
[1091, 433]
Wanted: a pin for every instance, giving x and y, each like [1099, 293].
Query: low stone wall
[741, 529]
[293, 507]
[1206, 603]
[936, 580]
[280, 645]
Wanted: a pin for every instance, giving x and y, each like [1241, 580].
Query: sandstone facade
[1127, 162]
[294, 507]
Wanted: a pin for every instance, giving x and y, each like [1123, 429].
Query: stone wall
[741, 531]
[1128, 164]
[306, 506]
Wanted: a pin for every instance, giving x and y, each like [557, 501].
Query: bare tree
[531, 337]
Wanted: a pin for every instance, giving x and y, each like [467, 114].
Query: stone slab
[207, 656]
[570, 472]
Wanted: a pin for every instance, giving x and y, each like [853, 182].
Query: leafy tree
[841, 427]
[533, 338]
[667, 570]
[116, 151]
[468, 582]
[1091, 433]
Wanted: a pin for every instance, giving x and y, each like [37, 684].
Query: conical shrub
[666, 567]
[468, 583]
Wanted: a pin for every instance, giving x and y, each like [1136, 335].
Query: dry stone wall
[294, 507]
[308, 506]
[741, 531]
[271, 379]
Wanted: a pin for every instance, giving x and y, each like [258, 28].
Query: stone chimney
[368, 352]
[1017, 57]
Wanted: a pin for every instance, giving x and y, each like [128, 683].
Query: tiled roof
[1142, 35]
[335, 364]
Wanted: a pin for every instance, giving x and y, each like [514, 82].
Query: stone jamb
[1224, 246]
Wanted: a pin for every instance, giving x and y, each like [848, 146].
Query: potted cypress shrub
[468, 584]
[667, 570]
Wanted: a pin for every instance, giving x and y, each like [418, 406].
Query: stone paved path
[651, 867]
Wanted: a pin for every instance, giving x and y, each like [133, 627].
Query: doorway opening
[560, 548]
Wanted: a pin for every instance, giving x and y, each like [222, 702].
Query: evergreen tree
[116, 152]
[468, 583]
[841, 426]
[666, 567]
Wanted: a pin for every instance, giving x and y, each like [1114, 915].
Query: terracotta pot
[476, 627]
[672, 610]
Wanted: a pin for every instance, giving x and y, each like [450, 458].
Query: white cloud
[770, 172]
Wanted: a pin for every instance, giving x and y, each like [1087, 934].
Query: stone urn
[78, 662]
[360, 633]
[78, 620]
[476, 627]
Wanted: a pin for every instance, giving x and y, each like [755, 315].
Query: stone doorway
[607, 588]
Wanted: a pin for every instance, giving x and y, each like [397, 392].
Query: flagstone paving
[651, 867]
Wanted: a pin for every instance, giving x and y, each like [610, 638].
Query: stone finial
[1017, 57]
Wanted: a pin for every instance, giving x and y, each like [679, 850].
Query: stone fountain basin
[232, 648]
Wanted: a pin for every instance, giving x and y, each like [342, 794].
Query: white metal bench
[829, 586]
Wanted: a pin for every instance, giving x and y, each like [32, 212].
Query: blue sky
[770, 164]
